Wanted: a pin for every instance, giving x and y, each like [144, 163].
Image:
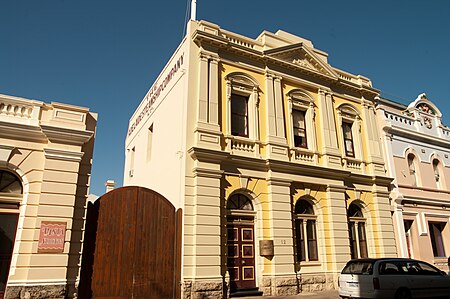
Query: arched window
[437, 173]
[412, 169]
[305, 232]
[9, 183]
[357, 232]
[239, 202]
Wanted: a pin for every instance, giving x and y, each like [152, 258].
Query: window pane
[9, 183]
[312, 240]
[362, 239]
[299, 128]
[352, 235]
[300, 242]
[239, 115]
[436, 239]
[348, 139]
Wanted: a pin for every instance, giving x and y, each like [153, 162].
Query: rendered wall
[50, 150]
[158, 164]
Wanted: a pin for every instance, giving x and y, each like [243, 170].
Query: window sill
[310, 264]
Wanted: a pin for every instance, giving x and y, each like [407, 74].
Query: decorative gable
[424, 111]
[300, 57]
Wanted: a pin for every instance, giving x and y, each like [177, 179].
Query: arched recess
[11, 196]
[412, 160]
[306, 232]
[437, 164]
[240, 243]
[357, 224]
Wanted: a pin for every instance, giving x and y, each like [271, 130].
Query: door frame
[241, 222]
[2, 292]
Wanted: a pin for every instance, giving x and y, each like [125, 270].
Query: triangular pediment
[300, 56]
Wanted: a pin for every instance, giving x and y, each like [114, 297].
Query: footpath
[333, 294]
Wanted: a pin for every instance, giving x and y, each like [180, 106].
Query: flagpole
[193, 10]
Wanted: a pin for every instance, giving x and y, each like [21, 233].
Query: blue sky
[105, 54]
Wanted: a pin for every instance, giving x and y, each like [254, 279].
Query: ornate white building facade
[417, 152]
[45, 165]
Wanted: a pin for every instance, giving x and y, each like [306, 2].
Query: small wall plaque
[51, 237]
[266, 248]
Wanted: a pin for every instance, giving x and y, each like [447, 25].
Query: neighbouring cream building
[273, 155]
[417, 150]
[45, 166]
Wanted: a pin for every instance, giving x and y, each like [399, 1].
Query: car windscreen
[358, 267]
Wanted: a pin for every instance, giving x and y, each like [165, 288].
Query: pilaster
[202, 229]
[270, 108]
[207, 128]
[278, 97]
[381, 224]
[277, 147]
[280, 223]
[373, 148]
[330, 149]
[336, 228]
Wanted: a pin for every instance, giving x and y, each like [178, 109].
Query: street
[331, 294]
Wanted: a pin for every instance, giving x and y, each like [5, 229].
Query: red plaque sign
[52, 236]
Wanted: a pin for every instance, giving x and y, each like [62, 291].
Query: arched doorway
[241, 245]
[10, 196]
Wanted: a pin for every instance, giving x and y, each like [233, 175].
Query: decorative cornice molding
[209, 173]
[66, 136]
[24, 132]
[63, 155]
[325, 72]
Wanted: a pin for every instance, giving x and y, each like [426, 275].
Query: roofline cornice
[201, 38]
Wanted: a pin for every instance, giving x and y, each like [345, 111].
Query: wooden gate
[132, 247]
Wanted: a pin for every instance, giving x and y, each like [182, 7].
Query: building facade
[274, 156]
[45, 165]
[417, 149]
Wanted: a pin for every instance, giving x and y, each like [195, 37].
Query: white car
[398, 278]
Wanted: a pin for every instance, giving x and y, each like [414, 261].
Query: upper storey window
[9, 183]
[299, 123]
[302, 118]
[350, 123]
[239, 115]
[348, 139]
[242, 106]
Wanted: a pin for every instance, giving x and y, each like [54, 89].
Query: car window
[389, 268]
[358, 267]
[426, 269]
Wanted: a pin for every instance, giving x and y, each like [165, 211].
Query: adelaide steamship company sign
[51, 237]
[154, 93]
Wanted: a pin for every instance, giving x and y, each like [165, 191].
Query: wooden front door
[241, 254]
[8, 226]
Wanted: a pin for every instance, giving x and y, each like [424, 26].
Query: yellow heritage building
[273, 155]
